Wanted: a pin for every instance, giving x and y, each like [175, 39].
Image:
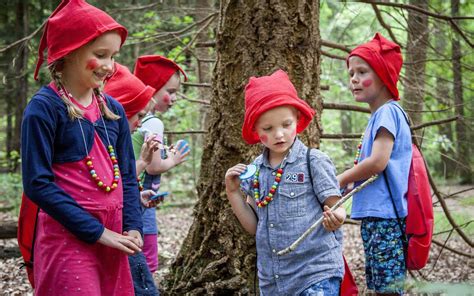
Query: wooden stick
[293, 246]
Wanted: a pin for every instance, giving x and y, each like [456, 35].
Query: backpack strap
[404, 235]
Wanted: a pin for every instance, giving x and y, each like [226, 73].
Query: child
[163, 75]
[374, 68]
[77, 161]
[282, 199]
[135, 97]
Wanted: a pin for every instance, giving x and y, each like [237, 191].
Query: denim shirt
[293, 210]
[49, 136]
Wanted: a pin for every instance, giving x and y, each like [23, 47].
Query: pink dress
[65, 265]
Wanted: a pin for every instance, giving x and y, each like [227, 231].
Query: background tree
[415, 61]
[254, 38]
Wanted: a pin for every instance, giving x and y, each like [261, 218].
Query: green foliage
[461, 217]
[10, 192]
[440, 288]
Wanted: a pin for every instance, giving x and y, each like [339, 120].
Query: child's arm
[374, 164]
[333, 219]
[240, 207]
[159, 166]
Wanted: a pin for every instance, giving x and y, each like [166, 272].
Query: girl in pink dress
[77, 161]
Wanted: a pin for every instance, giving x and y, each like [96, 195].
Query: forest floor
[174, 222]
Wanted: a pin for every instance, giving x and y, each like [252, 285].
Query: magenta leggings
[150, 250]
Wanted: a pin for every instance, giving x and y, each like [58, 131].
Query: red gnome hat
[73, 24]
[268, 92]
[128, 90]
[155, 70]
[385, 58]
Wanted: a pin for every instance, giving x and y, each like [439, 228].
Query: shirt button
[276, 276]
[292, 194]
[273, 174]
[271, 225]
[274, 251]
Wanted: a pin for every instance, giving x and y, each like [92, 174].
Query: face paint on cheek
[264, 139]
[167, 99]
[92, 64]
[367, 83]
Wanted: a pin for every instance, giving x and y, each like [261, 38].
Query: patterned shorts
[385, 269]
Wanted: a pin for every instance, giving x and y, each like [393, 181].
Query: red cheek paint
[92, 64]
[264, 138]
[367, 83]
[167, 99]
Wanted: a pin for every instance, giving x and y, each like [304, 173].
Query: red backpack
[26, 233]
[420, 221]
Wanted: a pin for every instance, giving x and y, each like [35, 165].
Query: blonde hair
[73, 111]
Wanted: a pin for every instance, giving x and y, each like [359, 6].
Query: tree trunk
[415, 61]
[254, 38]
[21, 70]
[447, 164]
[463, 141]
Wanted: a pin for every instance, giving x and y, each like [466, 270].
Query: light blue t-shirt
[374, 200]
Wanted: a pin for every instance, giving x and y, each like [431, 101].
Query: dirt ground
[174, 222]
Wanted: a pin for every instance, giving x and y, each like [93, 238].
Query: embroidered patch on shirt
[294, 178]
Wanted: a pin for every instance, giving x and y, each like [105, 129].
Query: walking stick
[293, 246]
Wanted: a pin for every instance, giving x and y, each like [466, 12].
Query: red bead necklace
[256, 188]
[88, 160]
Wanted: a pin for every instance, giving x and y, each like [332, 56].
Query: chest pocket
[293, 201]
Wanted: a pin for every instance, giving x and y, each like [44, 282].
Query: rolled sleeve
[324, 176]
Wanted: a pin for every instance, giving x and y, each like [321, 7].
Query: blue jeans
[327, 287]
[142, 278]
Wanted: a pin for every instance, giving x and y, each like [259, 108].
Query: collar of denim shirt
[293, 154]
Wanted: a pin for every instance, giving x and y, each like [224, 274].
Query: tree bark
[415, 61]
[463, 141]
[254, 38]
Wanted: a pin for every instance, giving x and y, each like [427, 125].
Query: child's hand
[148, 149]
[333, 219]
[145, 199]
[179, 155]
[136, 234]
[127, 244]
[232, 181]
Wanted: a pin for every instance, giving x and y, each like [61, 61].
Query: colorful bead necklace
[88, 160]
[359, 148]
[261, 203]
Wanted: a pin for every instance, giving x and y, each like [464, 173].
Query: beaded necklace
[261, 203]
[359, 148]
[88, 160]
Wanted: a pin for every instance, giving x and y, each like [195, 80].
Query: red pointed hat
[155, 70]
[385, 58]
[73, 24]
[268, 92]
[128, 90]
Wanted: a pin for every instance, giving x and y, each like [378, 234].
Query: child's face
[165, 97]
[276, 128]
[364, 83]
[135, 121]
[92, 63]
